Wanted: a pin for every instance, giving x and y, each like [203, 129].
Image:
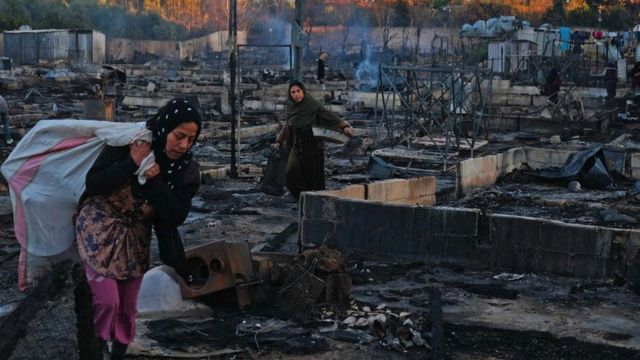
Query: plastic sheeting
[589, 167]
[46, 174]
[491, 27]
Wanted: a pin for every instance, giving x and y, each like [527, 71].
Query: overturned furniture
[219, 266]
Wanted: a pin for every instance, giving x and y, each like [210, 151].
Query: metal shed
[86, 46]
[33, 46]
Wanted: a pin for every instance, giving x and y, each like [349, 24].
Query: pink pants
[114, 306]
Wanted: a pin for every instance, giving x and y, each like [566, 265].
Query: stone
[574, 186]
[555, 140]
[350, 321]
[362, 322]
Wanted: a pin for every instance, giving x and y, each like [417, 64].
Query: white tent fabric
[46, 175]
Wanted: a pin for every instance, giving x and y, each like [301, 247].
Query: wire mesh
[300, 292]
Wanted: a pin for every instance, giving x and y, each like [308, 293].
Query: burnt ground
[484, 315]
[521, 193]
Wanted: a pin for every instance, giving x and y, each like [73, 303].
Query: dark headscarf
[169, 117]
[302, 114]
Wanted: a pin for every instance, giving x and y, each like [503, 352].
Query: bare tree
[384, 14]
[420, 14]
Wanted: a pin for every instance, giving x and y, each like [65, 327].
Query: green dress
[305, 164]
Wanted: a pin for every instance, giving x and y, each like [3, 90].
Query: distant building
[54, 45]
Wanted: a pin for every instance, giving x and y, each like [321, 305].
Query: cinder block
[313, 232]
[598, 244]
[538, 158]
[576, 238]
[520, 259]
[557, 236]
[352, 192]
[423, 186]
[633, 274]
[317, 206]
[554, 262]
[630, 241]
[588, 266]
[396, 242]
[397, 217]
[510, 160]
[460, 248]
[392, 189]
[508, 233]
[436, 245]
[478, 172]
[446, 220]
[359, 214]
[515, 230]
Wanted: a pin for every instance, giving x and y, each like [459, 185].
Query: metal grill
[300, 292]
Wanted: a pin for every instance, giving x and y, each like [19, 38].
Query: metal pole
[297, 55]
[233, 50]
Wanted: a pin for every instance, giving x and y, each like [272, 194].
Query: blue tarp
[565, 38]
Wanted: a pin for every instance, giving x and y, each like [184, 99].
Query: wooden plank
[419, 155]
[440, 141]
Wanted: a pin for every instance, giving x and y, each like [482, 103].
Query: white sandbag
[159, 292]
[46, 175]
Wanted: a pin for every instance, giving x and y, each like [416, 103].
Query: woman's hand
[154, 170]
[139, 150]
[348, 130]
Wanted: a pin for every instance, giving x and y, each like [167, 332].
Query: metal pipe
[297, 54]
[233, 52]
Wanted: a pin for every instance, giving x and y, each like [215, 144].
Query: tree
[384, 13]
[420, 14]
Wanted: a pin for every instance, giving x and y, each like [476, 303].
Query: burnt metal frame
[432, 99]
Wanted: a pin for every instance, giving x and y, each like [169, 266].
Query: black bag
[172, 250]
[273, 180]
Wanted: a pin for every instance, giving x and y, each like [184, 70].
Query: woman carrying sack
[116, 214]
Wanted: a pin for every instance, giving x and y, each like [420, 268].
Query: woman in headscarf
[116, 214]
[305, 164]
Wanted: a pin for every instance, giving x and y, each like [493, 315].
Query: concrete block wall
[484, 171]
[634, 165]
[525, 244]
[390, 216]
[538, 158]
[351, 218]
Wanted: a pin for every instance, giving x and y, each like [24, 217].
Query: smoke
[367, 70]
[274, 31]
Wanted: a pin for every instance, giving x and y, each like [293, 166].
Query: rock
[555, 140]
[362, 322]
[609, 215]
[404, 314]
[417, 339]
[381, 306]
[366, 309]
[574, 186]
[407, 323]
[350, 321]
[620, 194]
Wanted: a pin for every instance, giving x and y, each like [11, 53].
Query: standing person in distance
[4, 115]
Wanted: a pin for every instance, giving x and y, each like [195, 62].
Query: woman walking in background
[305, 164]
